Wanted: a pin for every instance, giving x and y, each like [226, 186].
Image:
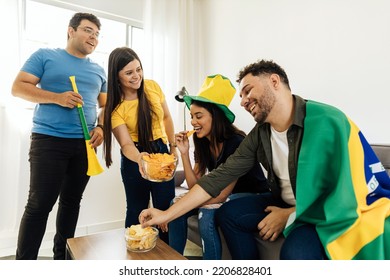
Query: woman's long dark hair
[221, 129]
[118, 59]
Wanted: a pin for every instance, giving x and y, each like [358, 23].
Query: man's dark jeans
[58, 168]
[238, 220]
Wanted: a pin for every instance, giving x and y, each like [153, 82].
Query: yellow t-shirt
[126, 113]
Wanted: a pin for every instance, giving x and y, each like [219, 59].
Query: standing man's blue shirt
[53, 67]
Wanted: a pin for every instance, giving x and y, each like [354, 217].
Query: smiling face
[84, 39]
[130, 77]
[201, 120]
[257, 96]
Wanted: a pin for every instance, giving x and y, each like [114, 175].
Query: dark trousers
[58, 169]
[138, 190]
[238, 220]
[303, 243]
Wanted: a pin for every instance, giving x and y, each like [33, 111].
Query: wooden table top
[111, 245]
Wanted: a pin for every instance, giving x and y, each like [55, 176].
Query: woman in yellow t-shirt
[138, 116]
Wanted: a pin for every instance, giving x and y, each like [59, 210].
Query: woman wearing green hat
[215, 139]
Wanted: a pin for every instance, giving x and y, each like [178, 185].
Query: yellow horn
[94, 167]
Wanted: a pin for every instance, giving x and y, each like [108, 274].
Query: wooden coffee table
[111, 245]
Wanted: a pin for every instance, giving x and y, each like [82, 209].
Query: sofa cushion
[269, 250]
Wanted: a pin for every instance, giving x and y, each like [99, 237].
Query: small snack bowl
[159, 167]
[140, 239]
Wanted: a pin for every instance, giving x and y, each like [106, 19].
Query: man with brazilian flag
[329, 193]
[345, 191]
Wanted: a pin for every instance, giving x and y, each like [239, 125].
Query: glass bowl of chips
[159, 167]
[140, 239]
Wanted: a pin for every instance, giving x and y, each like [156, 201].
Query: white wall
[334, 51]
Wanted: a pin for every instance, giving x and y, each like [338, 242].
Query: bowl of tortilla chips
[159, 167]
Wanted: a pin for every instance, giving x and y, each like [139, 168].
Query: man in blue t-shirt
[58, 157]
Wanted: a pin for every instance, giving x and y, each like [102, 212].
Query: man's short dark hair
[261, 67]
[78, 17]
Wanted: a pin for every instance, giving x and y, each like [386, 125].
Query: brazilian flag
[342, 188]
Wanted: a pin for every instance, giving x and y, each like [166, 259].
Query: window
[33, 24]
[136, 36]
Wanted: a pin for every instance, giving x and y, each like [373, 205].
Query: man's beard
[265, 103]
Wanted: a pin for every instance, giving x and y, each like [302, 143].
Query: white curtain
[10, 13]
[14, 127]
[173, 49]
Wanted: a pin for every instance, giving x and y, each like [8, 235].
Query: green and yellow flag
[342, 187]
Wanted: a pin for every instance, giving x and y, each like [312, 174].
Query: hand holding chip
[182, 142]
